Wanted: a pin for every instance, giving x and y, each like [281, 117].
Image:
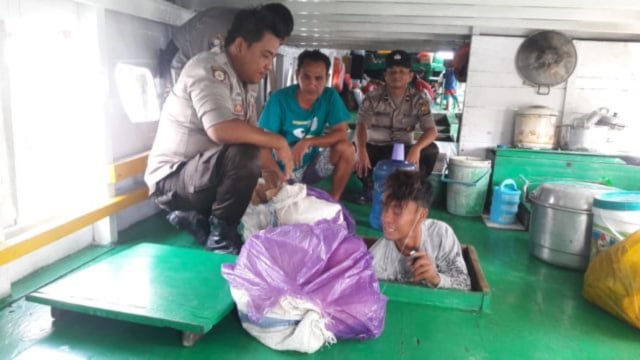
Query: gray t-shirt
[208, 85]
[439, 242]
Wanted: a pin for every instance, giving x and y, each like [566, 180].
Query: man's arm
[426, 138]
[335, 134]
[451, 267]
[236, 131]
[363, 163]
[429, 133]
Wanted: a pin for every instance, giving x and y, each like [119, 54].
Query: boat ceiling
[438, 25]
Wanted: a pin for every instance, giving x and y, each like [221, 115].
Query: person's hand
[423, 268]
[298, 151]
[363, 164]
[283, 153]
[413, 156]
[282, 177]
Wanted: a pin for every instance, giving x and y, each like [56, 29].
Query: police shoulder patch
[219, 73]
[424, 107]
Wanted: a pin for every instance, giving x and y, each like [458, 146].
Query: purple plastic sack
[320, 263]
[346, 215]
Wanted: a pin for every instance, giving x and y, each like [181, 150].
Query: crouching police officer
[206, 158]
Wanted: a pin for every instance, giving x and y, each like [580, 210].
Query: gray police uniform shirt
[207, 85]
[388, 123]
[439, 242]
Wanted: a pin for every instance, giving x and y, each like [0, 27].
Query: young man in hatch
[415, 248]
[313, 119]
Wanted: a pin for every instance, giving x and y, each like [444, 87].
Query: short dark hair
[314, 56]
[251, 24]
[402, 186]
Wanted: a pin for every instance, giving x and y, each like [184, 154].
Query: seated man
[415, 248]
[390, 115]
[301, 113]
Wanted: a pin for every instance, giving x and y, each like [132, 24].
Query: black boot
[224, 237]
[191, 221]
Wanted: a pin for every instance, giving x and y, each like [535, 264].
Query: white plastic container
[616, 215]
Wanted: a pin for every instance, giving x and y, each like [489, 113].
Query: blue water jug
[504, 203]
[383, 169]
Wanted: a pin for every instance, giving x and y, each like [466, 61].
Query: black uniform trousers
[428, 158]
[216, 184]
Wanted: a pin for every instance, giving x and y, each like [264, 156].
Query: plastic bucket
[504, 203]
[616, 215]
[467, 180]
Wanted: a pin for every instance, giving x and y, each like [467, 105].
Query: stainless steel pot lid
[572, 195]
[546, 58]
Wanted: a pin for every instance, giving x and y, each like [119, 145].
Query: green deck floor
[537, 312]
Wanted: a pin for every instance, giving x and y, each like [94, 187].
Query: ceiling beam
[305, 22]
[467, 9]
[155, 10]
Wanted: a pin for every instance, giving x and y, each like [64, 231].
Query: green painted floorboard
[147, 284]
[537, 312]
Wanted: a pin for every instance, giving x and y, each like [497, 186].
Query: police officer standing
[390, 115]
[206, 157]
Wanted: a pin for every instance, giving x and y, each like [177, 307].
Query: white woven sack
[290, 206]
[292, 324]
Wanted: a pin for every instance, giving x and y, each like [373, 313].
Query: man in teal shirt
[313, 119]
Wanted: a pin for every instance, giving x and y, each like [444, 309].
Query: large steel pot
[561, 221]
[586, 133]
[535, 128]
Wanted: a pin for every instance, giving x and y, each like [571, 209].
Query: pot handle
[540, 92]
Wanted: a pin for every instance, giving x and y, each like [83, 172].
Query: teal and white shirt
[283, 115]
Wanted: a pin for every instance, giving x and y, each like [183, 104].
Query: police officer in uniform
[390, 115]
[206, 157]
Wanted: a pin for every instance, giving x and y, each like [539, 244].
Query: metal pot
[561, 221]
[579, 138]
[535, 128]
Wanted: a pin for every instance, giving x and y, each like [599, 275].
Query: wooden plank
[475, 269]
[610, 59]
[150, 284]
[491, 125]
[495, 78]
[512, 97]
[29, 242]
[327, 21]
[476, 148]
[525, 11]
[160, 11]
[446, 298]
[126, 168]
[494, 53]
